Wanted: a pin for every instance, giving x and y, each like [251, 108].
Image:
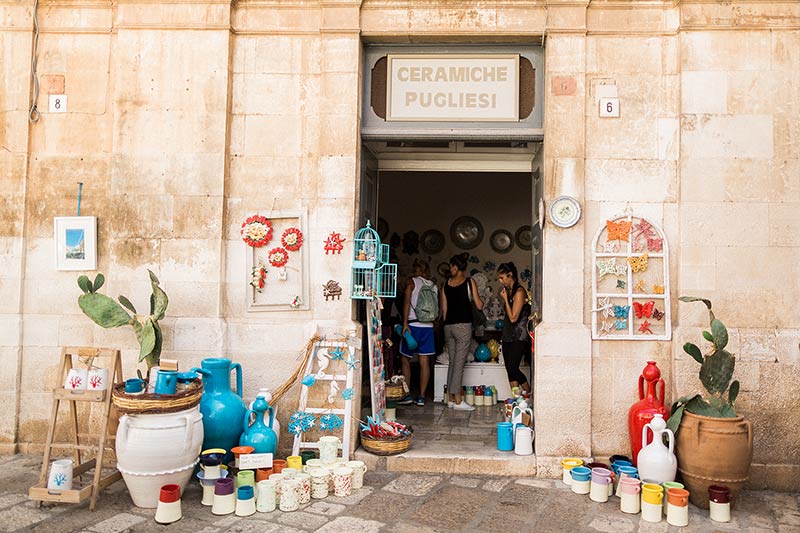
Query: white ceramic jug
[655, 461]
[519, 410]
[523, 440]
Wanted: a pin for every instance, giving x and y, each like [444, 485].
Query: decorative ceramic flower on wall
[292, 239]
[256, 231]
[278, 257]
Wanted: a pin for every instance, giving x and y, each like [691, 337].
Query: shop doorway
[430, 201]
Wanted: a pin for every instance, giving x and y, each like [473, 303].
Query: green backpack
[427, 308]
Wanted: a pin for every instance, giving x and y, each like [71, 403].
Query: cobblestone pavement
[389, 502]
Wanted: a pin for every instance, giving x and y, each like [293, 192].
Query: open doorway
[434, 201]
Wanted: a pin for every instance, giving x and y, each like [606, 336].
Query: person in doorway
[515, 338]
[420, 309]
[457, 315]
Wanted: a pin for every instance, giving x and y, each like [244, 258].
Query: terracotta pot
[713, 451]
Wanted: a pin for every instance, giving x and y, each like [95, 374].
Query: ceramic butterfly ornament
[618, 231]
[658, 315]
[621, 324]
[643, 310]
[610, 266]
[658, 289]
[621, 284]
[655, 245]
[622, 311]
[638, 264]
[643, 229]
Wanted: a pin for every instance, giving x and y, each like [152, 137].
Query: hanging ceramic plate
[383, 229]
[565, 211]
[432, 241]
[501, 241]
[523, 237]
[444, 270]
[466, 232]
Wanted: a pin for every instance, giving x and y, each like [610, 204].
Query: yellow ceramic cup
[567, 464]
[296, 462]
[652, 493]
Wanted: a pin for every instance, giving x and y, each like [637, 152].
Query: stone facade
[184, 117]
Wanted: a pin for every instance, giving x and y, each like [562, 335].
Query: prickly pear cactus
[107, 313]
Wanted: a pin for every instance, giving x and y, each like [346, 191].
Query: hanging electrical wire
[33, 113]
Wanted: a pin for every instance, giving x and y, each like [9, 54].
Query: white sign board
[447, 87]
[250, 461]
[609, 107]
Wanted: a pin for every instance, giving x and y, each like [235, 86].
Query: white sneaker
[450, 405]
[463, 406]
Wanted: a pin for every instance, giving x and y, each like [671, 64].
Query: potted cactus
[714, 445]
[106, 312]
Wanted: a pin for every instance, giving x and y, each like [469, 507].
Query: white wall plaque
[453, 87]
[249, 461]
[57, 103]
[609, 107]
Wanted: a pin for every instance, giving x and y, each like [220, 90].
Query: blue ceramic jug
[222, 408]
[259, 435]
[482, 353]
[505, 436]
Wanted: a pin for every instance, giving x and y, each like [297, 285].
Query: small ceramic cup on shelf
[567, 464]
[629, 489]
[305, 487]
[169, 505]
[320, 480]
[669, 485]
[294, 461]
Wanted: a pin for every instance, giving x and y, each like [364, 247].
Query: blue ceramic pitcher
[222, 408]
[259, 435]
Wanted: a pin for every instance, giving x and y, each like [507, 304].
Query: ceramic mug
[308, 455]
[719, 503]
[245, 478]
[305, 487]
[311, 464]
[263, 473]
[629, 495]
[359, 469]
[678, 507]
[166, 382]
[289, 473]
[278, 465]
[265, 500]
[342, 481]
[568, 464]
[76, 379]
[97, 379]
[652, 493]
[295, 461]
[601, 480]
[669, 485]
[278, 479]
[224, 497]
[651, 512]
[290, 500]
[134, 386]
[328, 449]
[60, 475]
[320, 479]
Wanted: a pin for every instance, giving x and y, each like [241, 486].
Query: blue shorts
[424, 338]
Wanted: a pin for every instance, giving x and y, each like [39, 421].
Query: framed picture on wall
[75, 243]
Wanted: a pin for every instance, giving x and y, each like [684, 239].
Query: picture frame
[75, 241]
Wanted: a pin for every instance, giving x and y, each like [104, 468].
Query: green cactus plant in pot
[714, 445]
[106, 312]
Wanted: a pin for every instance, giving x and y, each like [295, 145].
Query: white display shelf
[477, 374]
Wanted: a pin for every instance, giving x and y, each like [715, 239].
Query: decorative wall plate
[444, 270]
[466, 232]
[432, 241]
[501, 241]
[565, 211]
[523, 237]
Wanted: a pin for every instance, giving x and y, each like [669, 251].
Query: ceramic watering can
[656, 461]
[259, 435]
[523, 440]
[521, 409]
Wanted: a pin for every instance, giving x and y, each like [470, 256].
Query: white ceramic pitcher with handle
[523, 440]
[655, 461]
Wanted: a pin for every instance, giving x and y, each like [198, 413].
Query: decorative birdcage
[373, 276]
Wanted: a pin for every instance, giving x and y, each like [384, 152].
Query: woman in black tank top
[457, 313]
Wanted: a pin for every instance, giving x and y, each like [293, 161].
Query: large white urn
[158, 449]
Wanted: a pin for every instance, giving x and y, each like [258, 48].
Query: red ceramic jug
[649, 404]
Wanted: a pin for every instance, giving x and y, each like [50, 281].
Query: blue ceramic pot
[259, 435]
[222, 408]
[482, 353]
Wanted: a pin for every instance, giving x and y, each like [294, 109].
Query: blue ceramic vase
[222, 408]
[259, 435]
[482, 353]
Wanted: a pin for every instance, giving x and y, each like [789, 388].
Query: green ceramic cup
[670, 485]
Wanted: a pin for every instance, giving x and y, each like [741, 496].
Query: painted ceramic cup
[719, 503]
[601, 480]
[359, 469]
[97, 379]
[60, 475]
[652, 493]
[76, 379]
[289, 473]
[290, 499]
[678, 507]
[134, 386]
[328, 449]
[239, 450]
[669, 485]
[342, 481]
[278, 465]
[294, 461]
[305, 487]
[629, 501]
[266, 500]
[568, 464]
[308, 455]
[320, 479]
[312, 463]
[245, 478]
[263, 473]
[278, 479]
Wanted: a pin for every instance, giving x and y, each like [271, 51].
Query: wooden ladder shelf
[40, 492]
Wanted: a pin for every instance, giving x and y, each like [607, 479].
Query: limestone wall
[184, 118]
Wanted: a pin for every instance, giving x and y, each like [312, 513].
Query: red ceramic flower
[256, 231]
[278, 257]
[292, 239]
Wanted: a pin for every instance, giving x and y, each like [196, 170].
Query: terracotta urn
[713, 451]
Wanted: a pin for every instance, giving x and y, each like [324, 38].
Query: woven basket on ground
[154, 404]
[386, 445]
[394, 391]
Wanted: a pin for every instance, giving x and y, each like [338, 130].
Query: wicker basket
[387, 445]
[394, 391]
[131, 404]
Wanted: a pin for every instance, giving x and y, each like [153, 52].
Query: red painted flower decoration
[292, 239]
[256, 231]
[278, 257]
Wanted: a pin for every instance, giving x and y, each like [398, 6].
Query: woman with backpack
[458, 293]
[420, 309]
[515, 338]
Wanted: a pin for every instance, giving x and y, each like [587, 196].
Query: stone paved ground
[389, 502]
